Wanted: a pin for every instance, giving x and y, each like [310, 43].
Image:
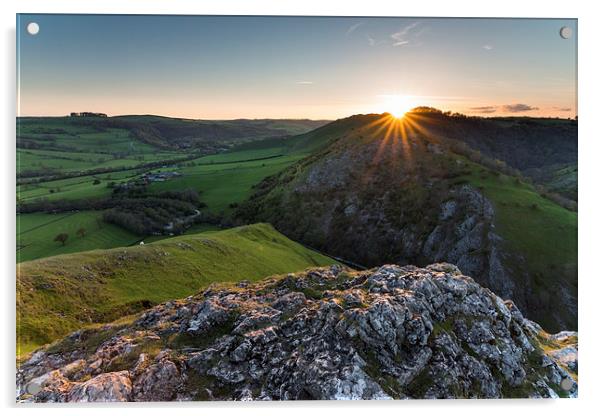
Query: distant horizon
[285, 118]
[251, 67]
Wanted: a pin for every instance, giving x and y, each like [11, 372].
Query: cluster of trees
[461, 148]
[120, 197]
[169, 212]
[63, 237]
[152, 215]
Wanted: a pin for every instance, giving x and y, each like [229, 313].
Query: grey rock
[393, 332]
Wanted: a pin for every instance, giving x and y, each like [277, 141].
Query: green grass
[519, 208]
[36, 232]
[544, 233]
[74, 188]
[223, 184]
[194, 229]
[60, 294]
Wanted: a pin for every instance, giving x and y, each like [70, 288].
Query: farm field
[223, 178]
[61, 161]
[226, 183]
[36, 233]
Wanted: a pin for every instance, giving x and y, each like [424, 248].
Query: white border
[590, 152]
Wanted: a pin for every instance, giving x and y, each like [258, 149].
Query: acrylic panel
[295, 208]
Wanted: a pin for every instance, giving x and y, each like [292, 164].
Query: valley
[224, 175]
[168, 221]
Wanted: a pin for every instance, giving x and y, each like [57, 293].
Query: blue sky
[218, 67]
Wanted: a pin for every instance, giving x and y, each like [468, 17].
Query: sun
[399, 105]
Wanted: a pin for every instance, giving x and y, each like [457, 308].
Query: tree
[81, 232]
[62, 238]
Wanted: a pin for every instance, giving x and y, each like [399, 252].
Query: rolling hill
[400, 191]
[60, 294]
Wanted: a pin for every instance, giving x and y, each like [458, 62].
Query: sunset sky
[212, 67]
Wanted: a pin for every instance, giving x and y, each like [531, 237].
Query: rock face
[387, 333]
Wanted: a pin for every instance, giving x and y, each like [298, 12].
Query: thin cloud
[562, 108]
[304, 82]
[487, 47]
[518, 108]
[352, 28]
[402, 37]
[373, 42]
[485, 109]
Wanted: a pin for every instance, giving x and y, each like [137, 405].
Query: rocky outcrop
[387, 333]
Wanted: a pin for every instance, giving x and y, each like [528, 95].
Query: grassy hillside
[59, 294]
[543, 233]
[178, 132]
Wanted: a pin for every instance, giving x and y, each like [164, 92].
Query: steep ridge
[387, 190]
[60, 294]
[331, 333]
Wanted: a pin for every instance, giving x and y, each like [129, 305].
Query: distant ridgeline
[87, 114]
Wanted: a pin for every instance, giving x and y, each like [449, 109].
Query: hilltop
[63, 293]
[387, 333]
[388, 190]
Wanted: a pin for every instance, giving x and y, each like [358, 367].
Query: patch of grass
[128, 360]
[200, 341]
[442, 327]
[420, 384]
[91, 337]
[228, 182]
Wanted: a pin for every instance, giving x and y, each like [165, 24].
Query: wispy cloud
[486, 109]
[372, 41]
[562, 108]
[352, 28]
[304, 82]
[487, 47]
[518, 108]
[402, 37]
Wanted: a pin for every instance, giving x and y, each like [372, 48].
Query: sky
[227, 67]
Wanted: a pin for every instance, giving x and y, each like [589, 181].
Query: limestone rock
[330, 333]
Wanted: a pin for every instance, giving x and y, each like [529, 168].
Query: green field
[62, 161]
[60, 294]
[227, 182]
[36, 232]
[519, 208]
